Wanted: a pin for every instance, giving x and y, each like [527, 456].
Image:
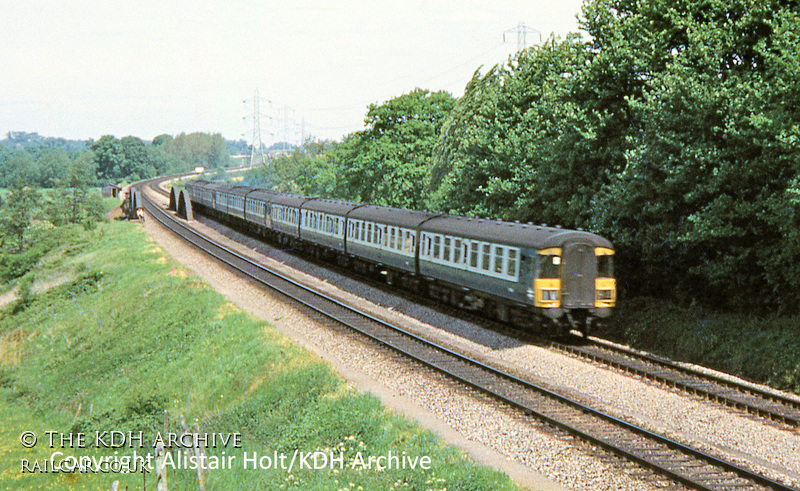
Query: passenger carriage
[385, 236]
[501, 268]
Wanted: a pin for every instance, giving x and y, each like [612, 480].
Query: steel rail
[726, 392]
[492, 380]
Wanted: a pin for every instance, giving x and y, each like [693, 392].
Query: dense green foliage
[46, 162]
[131, 159]
[21, 140]
[33, 222]
[42, 167]
[386, 163]
[674, 131]
[305, 170]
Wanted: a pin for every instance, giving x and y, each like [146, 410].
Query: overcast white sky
[85, 69]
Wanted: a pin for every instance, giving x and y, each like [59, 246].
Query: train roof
[293, 200]
[200, 183]
[332, 206]
[218, 186]
[240, 190]
[391, 216]
[262, 194]
[516, 234]
[486, 230]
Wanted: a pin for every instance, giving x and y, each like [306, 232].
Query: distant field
[131, 342]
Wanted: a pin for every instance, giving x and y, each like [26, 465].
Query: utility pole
[522, 35]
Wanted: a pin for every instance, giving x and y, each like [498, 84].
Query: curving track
[662, 455]
[731, 393]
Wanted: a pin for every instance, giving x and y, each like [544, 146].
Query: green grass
[134, 342]
[762, 349]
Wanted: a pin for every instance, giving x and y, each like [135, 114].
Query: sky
[85, 69]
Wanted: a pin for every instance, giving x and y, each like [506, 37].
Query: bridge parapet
[185, 206]
[173, 199]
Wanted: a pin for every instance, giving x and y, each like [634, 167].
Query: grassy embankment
[131, 335]
[762, 349]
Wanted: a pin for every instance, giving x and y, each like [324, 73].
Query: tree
[672, 129]
[18, 211]
[185, 152]
[51, 164]
[70, 201]
[307, 170]
[136, 163]
[109, 158]
[529, 140]
[387, 163]
[125, 159]
[15, 166]
[704, 198]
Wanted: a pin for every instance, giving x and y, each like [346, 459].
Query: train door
[578, 272]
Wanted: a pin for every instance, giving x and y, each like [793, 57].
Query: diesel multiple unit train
[514, 272]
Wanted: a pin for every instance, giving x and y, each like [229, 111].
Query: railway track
[661, 455]
[731, 393]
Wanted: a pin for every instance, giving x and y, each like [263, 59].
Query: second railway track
[666, 457]
[732, 393]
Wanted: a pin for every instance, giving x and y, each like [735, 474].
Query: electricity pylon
[257, 149]
[522, 35]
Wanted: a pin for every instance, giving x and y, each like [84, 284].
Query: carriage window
[485, 264]
[392, 240]
[498, 259]
[447, 241]
[457, 254]
[512, 262]
[385, 236]
[549, 266]
[409, 242]
[473, 258]
[437, 246]
[605, 266]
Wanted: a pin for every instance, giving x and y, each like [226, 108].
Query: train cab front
[574, 284]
